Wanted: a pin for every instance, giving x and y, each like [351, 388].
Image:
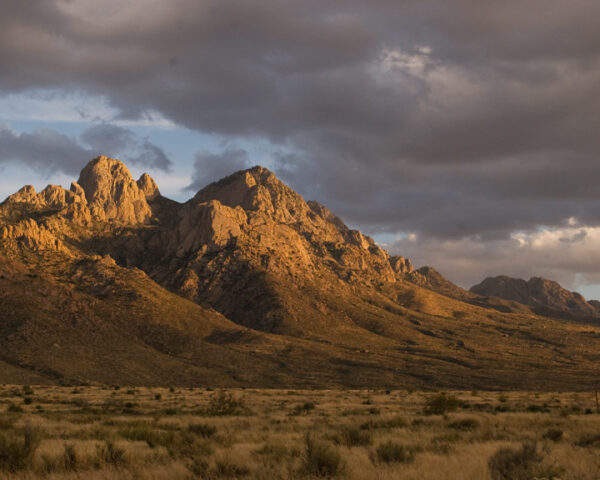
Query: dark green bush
[440, 404]
[392, 452]
[16, 452]
[538, 408]
[465, 424]
[355, 437]
[70, 461]
[12, 408]
[228, 469]
[589, 440]
[512, 464]
[553, 434]
[321, 459]
[303, 408]
[110, 454]
[6, 422]
[202, 429]
[223, 403]
[144, 433]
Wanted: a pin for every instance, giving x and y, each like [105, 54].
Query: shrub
[394, 422]
[442, 444]
[303, 408]
[12, 408]
[275, 452]
[355, 437]
[16, 453]
[143, 433]
[6, 423]
[465, 424]
[553, 434]
[224, 467]
[27, 390]
[110, 454]
[588, 440]
[511, 464]
[321, 459]
[202, 429]
[538, 408]
[69, 458]
[440, 404]
[199, 467]
[392, 452]
[224, 403]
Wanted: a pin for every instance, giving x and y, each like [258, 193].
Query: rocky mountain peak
[113, 194]
[148, 187]
[256, 190]
[535, 292]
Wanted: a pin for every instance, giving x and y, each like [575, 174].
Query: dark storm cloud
[49, 151]
[108, 139]
[152, 156]
[445, 118]
[43, 149]
[210, 167]
[112, 140]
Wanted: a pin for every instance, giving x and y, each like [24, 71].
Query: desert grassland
[159, 433]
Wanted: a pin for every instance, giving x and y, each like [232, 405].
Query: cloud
[567, 254]
[42, 149]
[48, 151]
[447, 119]
[109, 139]
[376, 100]
[210, 167]
[151, 155]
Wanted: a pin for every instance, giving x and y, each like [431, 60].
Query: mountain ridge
[247, 284]
[537, 292]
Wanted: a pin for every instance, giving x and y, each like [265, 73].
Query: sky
[461, 134]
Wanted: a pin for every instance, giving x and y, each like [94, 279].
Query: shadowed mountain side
[247, 284]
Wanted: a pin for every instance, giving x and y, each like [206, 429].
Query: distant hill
[545, 295]
[247, 284]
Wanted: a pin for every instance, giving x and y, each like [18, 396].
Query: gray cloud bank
[48, 151]
[450, 119]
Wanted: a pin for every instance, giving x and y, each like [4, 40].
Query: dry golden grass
[153, 433]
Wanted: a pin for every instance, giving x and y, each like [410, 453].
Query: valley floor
[152, 433]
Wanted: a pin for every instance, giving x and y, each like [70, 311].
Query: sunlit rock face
[112, 193]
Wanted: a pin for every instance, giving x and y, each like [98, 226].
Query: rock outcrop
[536, 292]
[112, 194]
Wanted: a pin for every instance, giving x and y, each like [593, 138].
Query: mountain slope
[247, 284]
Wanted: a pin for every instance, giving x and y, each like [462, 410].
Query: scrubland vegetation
[152, 433]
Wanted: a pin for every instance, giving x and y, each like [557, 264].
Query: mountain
[247, 284]
[546, 296]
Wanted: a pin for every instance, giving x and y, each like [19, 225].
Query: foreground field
[142, 433]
